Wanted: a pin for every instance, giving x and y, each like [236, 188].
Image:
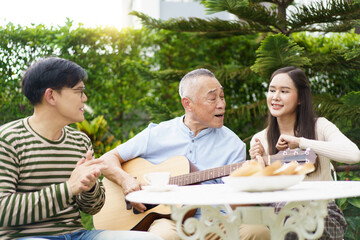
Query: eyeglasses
[81, 90]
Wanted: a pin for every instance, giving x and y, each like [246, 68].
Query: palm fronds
[335, 109]
[337, 61]
[202, 26]
[278, 51]
[158, 112]
[317, 16]
[214, 6]
[248, 111]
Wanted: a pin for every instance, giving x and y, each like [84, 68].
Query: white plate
[164, 188]
[262, 183]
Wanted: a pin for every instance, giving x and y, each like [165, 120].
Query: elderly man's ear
[186, 104]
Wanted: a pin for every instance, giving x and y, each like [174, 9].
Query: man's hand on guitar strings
[129, 185]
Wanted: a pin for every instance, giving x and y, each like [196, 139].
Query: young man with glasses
[47, 170]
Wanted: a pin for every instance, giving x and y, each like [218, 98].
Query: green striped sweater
[35, 198]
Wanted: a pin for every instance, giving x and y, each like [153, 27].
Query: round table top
[214, 194]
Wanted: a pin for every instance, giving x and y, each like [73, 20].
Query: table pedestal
[306, 219]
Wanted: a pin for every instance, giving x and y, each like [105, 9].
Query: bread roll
[253, 168]
[305, 168]
[269, 170]
[287, 169]
[247, 169]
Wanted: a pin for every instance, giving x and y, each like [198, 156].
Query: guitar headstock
[300, 155]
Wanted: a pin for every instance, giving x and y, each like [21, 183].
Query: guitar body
[115, 216]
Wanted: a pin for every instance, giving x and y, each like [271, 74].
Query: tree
[283, 28]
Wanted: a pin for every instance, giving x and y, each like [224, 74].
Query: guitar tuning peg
[287, 151]
[307, 151]
[296, 151]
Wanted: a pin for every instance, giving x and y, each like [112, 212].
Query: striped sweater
[35, 198]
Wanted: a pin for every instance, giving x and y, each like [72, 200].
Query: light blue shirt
[212, 147]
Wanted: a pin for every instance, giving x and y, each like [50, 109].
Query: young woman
[293, 124]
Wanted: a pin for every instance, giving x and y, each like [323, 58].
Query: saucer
[164, 188]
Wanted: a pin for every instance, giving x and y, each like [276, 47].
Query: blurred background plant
[98, 131]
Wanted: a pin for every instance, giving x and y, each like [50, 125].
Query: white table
[305, 211]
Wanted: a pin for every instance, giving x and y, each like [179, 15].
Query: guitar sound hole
[148, 207]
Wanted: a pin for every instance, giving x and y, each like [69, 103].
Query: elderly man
[199, 135]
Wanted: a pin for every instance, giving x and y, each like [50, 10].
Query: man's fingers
[89, 155]
[95, 162]
[96, 173]
[80, 162]
[138, 206]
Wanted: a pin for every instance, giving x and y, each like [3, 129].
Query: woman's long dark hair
[305, 116]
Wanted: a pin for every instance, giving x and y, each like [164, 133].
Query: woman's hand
[257, 149]
[287, 141]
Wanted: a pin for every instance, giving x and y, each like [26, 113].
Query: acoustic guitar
[118, 214]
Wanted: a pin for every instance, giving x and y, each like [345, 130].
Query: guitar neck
[205, 175]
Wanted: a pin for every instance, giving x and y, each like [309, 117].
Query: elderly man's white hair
[189, 80]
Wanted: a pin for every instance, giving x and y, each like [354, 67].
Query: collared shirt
[212, 147]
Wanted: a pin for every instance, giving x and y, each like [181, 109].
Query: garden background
[134, 73]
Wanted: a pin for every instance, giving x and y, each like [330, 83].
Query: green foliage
[318, 16]
[214, 6]
[158, 111]
[213, 27]
[277, 51]
[98, 131]
[114, 60]
[331, 71]
[351, 209]
[254, 17]
[334, 108]
[87, 221]
[352, 99]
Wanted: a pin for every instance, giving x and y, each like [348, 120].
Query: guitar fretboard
[201, 176]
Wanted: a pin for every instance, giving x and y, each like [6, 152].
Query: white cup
[157, 178]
